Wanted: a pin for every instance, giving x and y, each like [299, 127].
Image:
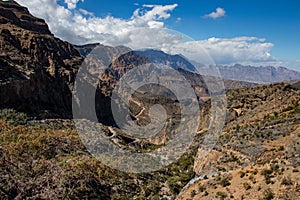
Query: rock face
[84, 50]
[258, 74]
[174, 61]
[36, 69]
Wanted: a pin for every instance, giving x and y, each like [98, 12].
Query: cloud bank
[146, 29]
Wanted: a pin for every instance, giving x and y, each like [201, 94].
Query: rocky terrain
[43, 157]
[37, 69]
[85, 50]
[256, 156]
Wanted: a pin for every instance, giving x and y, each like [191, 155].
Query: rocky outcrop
[37, 70]
[86, 49]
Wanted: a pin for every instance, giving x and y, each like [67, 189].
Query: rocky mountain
[84, 50]
[174, 61]
[37, 69]
[258, 74]
[244, 74]
[255, 157]
[158, 57]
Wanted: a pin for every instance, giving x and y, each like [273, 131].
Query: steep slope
[84, 50]
[37, 69]
[257, 156]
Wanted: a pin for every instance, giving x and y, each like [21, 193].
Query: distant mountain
[236, 72]
[84, 50]
[129, 59]
[174, 61]
[256, 155]
[258, 74]
[36, 69]
[153, 56]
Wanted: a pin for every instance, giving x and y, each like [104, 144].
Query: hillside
[257, 155]
[37, 69]
[258, 150]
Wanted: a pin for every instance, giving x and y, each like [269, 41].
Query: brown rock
[37, 70]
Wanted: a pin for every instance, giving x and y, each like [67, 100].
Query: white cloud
[179, 19]
[240, 49]
[85, 12]
[157, 12]
[220, 12]
[72, 3]
[243, 50]
[145, 29]
[81, 27]
[294, 65]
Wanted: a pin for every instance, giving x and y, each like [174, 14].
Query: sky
[249, 32]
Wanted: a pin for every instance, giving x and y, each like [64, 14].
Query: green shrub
[268, 194]
[266, 172]
[13, 117]
[242, 174]
[287, 181]
[295, 170]
[201, 188]
[225, 182]
[193, 193]
[247, 186]
[281, 148]
[221, 195]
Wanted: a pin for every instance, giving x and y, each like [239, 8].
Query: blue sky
[276, 21]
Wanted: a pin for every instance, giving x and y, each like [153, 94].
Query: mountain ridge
[262, 74]
[238, 72]
[256, 154]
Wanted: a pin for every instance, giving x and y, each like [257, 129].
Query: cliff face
[37, 70]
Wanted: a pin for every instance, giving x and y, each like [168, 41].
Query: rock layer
[36, 69]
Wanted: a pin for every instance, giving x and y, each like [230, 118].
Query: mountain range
[253, 74]
[261, 74]
[38, 70]
[42, 157]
